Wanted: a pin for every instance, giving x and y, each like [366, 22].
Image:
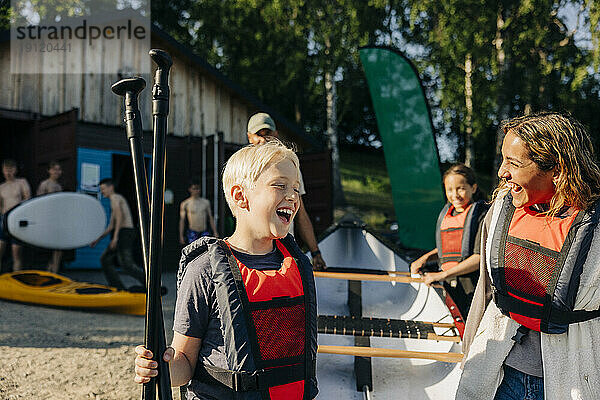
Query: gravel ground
[52, 353]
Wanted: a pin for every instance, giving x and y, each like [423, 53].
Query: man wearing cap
[260, 127]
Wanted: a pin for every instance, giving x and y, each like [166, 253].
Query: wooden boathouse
[77, 120]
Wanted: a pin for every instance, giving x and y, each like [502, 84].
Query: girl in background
[458, 234]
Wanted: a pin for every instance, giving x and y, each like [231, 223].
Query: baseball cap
[260, 121]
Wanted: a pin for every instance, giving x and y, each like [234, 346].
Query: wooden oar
[367, 277]
[393, 353]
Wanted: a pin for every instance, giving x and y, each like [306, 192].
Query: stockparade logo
[106, 41]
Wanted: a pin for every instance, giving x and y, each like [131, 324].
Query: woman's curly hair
[559, 141]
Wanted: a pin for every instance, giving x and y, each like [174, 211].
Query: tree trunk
[338, 194]
[469, 117]
[503, 106]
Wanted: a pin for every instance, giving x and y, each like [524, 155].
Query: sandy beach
[57, 354]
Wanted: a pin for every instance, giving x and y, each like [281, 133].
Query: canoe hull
[354, 246]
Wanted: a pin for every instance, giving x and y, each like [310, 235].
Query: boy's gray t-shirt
[197, 315]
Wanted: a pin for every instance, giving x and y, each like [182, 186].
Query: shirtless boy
[119, 251]
[196, 211]
[51, 185]
[12, 192]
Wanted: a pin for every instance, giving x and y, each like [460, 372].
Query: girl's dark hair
[468, 174]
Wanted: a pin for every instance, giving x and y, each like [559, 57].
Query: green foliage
[5, 12]
[280, 51]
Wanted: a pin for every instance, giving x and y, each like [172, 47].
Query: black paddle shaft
[160, 110]
[129, 89]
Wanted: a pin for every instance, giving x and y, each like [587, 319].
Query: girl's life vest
[269, 323]
[455, 234]
[535, 264]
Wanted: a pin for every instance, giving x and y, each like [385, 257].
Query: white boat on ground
[349, 247]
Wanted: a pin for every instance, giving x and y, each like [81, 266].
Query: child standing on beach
[245, 323]
[458, 234]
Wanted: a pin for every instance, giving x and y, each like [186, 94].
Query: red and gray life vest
[455, 234]
[536, 263]
[269, 323]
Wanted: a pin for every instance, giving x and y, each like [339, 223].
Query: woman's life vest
[535, 263]
[455, 234]
[269, 323]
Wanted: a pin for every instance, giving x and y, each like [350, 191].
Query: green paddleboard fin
[409, 146]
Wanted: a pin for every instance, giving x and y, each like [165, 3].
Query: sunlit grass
[367, 188]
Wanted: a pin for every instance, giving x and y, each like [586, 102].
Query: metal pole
[204, 143]
[367, 393]
[216, 179]
[160, 111]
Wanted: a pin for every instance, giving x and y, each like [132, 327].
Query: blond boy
[261, 128]
[246, 306]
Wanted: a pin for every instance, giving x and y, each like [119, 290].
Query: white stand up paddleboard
[64, 220]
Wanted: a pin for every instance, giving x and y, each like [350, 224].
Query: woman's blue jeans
[517, 385]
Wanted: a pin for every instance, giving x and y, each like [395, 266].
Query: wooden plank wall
[200, 104]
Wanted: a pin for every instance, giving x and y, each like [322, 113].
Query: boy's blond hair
[245, 165]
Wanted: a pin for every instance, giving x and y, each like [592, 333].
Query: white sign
[90, 177]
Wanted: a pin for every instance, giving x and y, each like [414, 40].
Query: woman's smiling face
[528, 183]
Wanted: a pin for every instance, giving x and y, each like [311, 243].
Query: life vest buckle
[244, 382]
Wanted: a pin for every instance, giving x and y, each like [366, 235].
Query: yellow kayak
[42, 287]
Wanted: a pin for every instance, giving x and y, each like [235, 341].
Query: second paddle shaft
[367, 277]
[160, 110]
